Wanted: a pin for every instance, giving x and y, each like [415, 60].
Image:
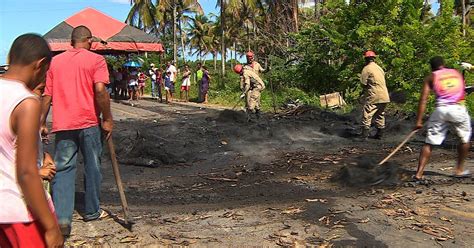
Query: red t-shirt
[70, 83]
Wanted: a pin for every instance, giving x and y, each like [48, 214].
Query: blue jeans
[68, 144]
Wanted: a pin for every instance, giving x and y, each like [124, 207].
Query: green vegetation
[403, 33]
[313, 51]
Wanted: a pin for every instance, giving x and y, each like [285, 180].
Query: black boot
[379, 134]
[257, 114]
[364, 135]
[250, 116]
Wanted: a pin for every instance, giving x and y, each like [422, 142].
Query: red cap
[249, 54]
[369, 53]
[238, 68]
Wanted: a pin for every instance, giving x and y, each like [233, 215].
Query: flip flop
[103, 215]
[464, 174]
[421, 181]
[415, 179]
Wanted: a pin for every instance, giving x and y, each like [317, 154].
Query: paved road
[123, 112]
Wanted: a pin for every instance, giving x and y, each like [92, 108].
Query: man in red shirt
[76, 85]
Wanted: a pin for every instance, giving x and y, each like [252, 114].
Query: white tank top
[13, 208]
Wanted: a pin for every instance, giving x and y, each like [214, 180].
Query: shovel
[118, 180]
[407, 138]
[237, 103]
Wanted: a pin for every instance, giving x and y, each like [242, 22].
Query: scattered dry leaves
[292, 210]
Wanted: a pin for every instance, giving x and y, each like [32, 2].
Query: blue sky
[39, 16]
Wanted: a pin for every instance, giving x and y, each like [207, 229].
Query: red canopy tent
[115, 36]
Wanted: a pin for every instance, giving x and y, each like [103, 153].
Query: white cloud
[120, 1]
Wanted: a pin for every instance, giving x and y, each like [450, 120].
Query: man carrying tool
[254, 65]
[251, 85]
[75, 84]
[448, 86]
[375, 94]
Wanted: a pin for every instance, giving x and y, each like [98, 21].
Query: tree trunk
[214, 55]
[440, 11]
[183, 46]
[463, 9]
[255, 38]
[222, 38]
[295, 14]
[317, 15]
[235, 51]
[175, 38]
[248, 38]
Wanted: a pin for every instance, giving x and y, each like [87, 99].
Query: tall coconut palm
[200, 31]
[239, 12]
[222, 20]
[244, 15]
[213, 41]
[142, 15]
[185, 8]
[177, 11]
[461, 8]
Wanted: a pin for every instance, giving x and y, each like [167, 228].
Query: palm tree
[200, 31]
[462, 8]
[179, 10]
[222, 19]
[240, 13]
[142, 15]
[244, 14]
[184, 9]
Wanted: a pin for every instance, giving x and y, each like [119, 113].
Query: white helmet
[152, 65]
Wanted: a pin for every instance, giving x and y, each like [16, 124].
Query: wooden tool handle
[118, 179]
[399, 146]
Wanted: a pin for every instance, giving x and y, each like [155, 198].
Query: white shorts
[456, 116]
[186, 82]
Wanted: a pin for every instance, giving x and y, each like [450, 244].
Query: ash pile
[365, 172]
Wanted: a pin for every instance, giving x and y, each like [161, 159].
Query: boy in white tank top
[26, 215]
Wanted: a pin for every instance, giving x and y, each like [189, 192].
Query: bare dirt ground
[204, 177]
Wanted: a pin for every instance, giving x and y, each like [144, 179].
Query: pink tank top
[448, 86]
[12, 208]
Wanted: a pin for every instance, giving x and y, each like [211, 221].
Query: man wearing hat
[252, 86]
[375, 94]
[254, 65]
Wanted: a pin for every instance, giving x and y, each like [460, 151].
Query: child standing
[133, 85]
[26, 218]
[169, 87]
[159, 83]
[186, 85]
[141, 83]
[47, 168]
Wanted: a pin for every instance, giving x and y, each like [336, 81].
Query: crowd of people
[76, 82]
[130, 82]
[127, 83]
